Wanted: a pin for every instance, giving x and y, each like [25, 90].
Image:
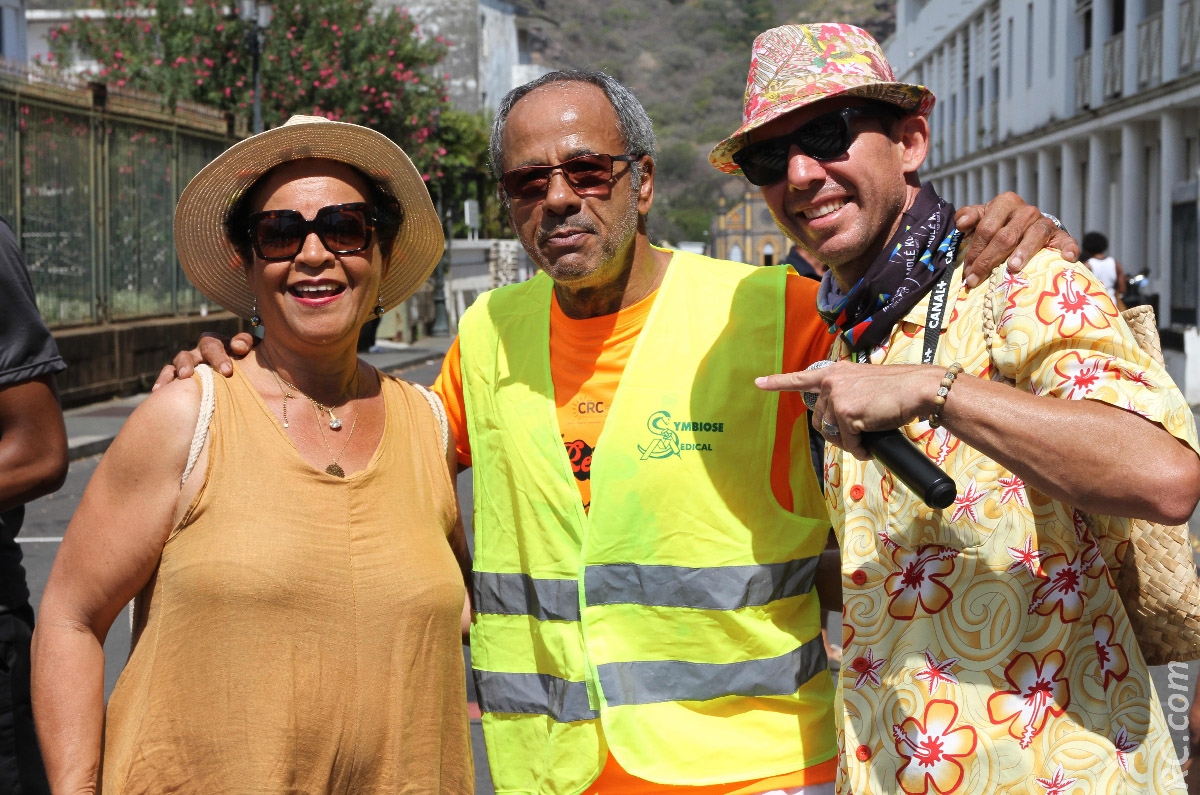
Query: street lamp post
[260, 13]
[441, 319]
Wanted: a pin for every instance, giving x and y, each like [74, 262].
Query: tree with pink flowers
[334, 58]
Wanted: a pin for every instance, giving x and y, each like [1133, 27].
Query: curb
[87, 446]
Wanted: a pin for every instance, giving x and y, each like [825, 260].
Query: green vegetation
[687, 62]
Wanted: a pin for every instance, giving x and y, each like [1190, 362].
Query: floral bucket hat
[795, 65]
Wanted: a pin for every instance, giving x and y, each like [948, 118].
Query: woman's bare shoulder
[159, 431]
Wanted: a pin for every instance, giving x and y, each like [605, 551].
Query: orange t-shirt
[587, 358]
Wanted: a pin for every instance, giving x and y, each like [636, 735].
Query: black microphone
[902, 458]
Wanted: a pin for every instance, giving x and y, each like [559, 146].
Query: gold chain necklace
[334, 422]
[334, 468]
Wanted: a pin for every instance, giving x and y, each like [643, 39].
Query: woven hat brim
[906, 96]
[214, 264]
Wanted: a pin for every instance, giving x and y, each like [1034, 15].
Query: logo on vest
[666, 432]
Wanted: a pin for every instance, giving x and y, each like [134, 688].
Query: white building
[12, 30]
[39, 23]
[1090, 108]
[490, 46]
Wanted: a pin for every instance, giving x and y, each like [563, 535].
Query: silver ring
[829, 429]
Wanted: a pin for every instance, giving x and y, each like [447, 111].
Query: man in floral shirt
[986, 647]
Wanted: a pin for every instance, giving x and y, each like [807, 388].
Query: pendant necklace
[333, 468]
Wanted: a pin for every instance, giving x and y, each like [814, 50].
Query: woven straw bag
[1157, 580]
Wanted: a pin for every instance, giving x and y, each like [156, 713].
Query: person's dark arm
[33, 442]
[1007, 229]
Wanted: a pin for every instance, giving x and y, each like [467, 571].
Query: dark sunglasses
[342, 228]
[586, 174]
[824, 138]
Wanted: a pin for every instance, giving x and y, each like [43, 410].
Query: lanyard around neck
[935, 318]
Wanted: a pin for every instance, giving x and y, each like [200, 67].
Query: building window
[1053, 13]
[1032, 45]
[523, 54]
[768, 254]
[1009, 49]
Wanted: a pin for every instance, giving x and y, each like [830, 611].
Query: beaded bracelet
[939, 401]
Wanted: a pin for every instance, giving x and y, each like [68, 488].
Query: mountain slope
[686, 60]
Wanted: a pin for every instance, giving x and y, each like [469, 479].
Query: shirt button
[863, 753]
[857, 491]
[860, 664]
[859, 577]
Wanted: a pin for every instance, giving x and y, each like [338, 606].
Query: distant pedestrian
[1104, 266]
[804, 264]
[301, 590]
[33, 462]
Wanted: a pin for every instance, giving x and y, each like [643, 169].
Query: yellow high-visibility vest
[676, 624]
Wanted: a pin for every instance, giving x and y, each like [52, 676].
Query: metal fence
[89, 179]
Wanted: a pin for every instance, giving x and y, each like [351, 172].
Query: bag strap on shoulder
[200, 434]
[439, 412]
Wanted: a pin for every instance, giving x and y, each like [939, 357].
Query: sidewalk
[91, 428]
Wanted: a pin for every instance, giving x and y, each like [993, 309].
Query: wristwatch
[1055, 221]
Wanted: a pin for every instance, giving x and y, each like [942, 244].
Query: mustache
[579, 223]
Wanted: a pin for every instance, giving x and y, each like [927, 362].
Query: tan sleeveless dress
[302, 634]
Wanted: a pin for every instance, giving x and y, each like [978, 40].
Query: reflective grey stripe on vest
[533, 694]
[522, 595]
[650, 682]
[628, 683]
[707, 588]
[710, 588]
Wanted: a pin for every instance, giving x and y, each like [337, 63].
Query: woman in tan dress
[301, 594]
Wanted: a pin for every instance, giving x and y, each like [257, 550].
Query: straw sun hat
[796, 65]
[215, 264]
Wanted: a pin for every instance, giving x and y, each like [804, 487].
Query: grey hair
[633, 123]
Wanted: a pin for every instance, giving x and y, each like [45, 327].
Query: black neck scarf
[909, 266]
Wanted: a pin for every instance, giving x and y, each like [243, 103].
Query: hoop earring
[379, 310]
[255, 318]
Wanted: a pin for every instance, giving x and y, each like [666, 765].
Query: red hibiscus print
[1082, 374]
[1040, 692]
[1075, 302]
[919, 581]
[1114, 664]
[931, 748]
[1062, 589]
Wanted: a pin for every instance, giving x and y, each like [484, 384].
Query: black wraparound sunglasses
[826, 137]
[342, 228]
[586, 174]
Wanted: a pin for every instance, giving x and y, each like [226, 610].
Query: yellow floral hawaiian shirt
[986, 648]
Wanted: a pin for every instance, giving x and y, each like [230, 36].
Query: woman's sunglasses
[586, 174]
[342, 228]
[824, 138]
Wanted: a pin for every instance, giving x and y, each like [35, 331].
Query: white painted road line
[39, 540]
